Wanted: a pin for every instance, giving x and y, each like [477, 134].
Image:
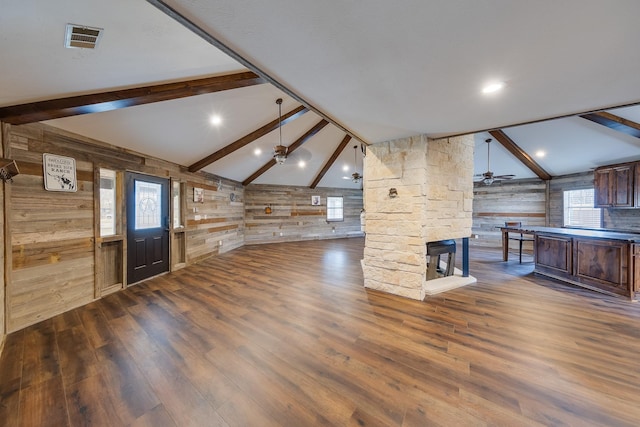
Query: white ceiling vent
[81, 36]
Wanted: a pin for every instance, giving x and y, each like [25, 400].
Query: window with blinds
[579, 210]
[335, 209]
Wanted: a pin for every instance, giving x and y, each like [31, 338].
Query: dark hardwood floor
[286, 335]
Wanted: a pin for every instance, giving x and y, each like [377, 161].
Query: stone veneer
[434, 181]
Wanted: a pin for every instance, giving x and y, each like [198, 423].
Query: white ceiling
[384, 70]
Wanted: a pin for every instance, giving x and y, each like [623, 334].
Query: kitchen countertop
[579, 232]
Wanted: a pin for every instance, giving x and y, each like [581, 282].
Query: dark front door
[147, 226]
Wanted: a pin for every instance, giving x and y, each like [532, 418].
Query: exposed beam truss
[614, 122]
[331, 161]
[304, 138]
[520, 154]
[113, 100]
[247, 139]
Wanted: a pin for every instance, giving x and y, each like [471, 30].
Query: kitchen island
[601, 260]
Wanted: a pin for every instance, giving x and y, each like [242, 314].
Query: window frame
[565, 209]
[340, 208]
[107, 173]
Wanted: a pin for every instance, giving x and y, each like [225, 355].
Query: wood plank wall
[493, 205]
[293, 217]
[525, 201]
[51, 234]
[557, 187]
[612, 218]
[2, 235]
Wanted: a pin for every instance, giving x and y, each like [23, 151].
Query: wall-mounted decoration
[59, 173]
[315, 200]
[198, 195]
[8, 169]
[232, 197]
[267, 210]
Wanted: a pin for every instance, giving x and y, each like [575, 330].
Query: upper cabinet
[614, 186]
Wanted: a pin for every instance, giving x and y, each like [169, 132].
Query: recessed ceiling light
[257, 151]
[345, 168]
[493, 87]
[302, 164]
[540, 153]
[215, 120]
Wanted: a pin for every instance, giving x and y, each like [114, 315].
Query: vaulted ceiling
[374, 70]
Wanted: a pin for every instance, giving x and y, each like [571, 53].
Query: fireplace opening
[434, 250]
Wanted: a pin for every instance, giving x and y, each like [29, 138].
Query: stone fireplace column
[434, 184]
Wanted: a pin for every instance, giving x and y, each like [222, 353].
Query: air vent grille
[81, 36]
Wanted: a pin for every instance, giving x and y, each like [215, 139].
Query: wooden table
[505, 238]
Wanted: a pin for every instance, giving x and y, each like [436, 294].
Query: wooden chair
[434, 250]
[520, 238]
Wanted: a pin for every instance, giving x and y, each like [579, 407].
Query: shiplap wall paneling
[294, 218]
[53, 242]
[557, 187]
[623, 219]
[215, 225]
[51, 233]
[493, 205]
[3, 212]
[112, 263]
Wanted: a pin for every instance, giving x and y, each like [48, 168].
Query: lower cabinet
[607, 266]
[602, 264]
[554, 254]
[636, 267]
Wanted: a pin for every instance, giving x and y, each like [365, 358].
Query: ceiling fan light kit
[280, 154]
[488, 177]
[355, 176]
[280, 151]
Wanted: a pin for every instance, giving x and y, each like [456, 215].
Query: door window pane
[334, 209]
[148, 202]
[107, 202]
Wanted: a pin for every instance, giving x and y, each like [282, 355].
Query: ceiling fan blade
[504, 177]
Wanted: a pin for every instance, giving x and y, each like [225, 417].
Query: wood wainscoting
[286, 335]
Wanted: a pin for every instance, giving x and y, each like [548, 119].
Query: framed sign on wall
[59, 173]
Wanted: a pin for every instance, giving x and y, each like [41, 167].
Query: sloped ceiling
[379, 69]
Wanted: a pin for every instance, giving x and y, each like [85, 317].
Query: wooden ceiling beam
[247, 139]
[304, 138]
[113, 100]
[520, 154]
[614, 122]
[331, 161]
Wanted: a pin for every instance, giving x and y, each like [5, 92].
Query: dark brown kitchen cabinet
[614, 186]
[604, 261]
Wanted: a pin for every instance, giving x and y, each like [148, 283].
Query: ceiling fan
[488, 177]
